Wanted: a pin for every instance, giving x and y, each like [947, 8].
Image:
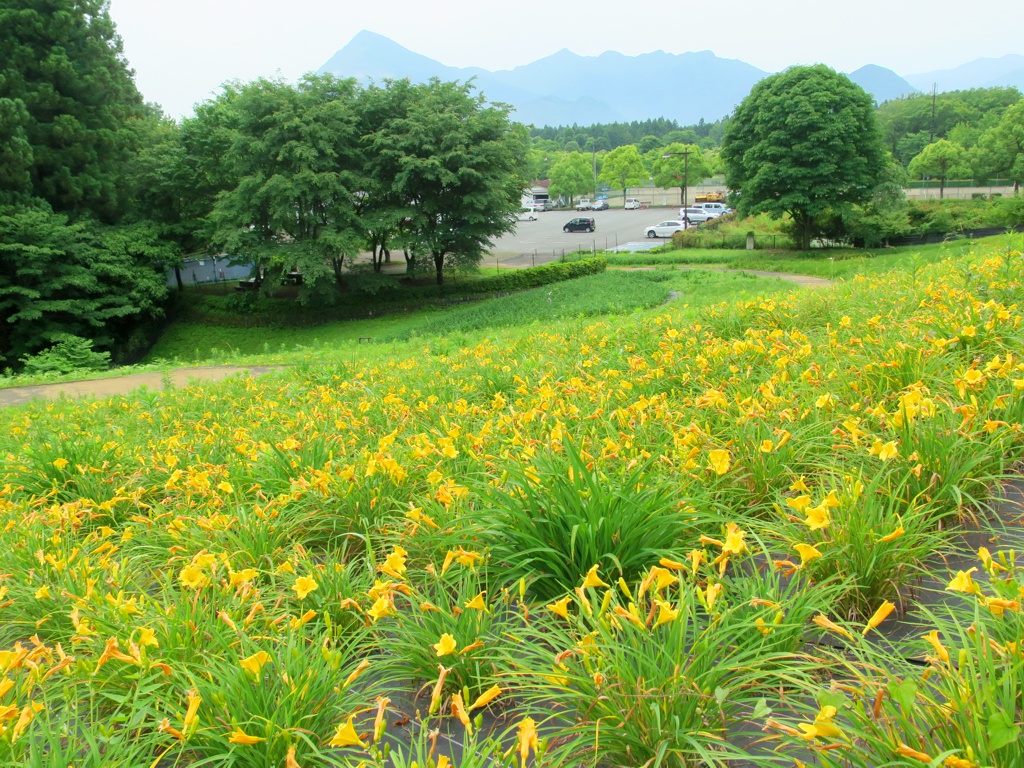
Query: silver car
[695, 215]
[665, 229]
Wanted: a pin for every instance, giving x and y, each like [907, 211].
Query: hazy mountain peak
[565, 88]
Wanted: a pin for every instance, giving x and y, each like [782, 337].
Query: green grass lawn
[609, 293]
[832, 264]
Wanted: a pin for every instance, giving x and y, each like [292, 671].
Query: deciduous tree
[571, 175]
[941, 160]
[623, 168]
[677, 164]
[804, 142]
[456, 163]
[293, 164]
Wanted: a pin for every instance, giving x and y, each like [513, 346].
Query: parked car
[527, 214]
[718, 209]
[580, 225]
[600, 205]
[632, 204]
[584, 204]
[695, 215]
[665, 229]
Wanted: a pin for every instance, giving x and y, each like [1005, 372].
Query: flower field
[639, 541]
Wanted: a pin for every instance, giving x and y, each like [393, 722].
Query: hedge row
[512, 280]
[247, 311]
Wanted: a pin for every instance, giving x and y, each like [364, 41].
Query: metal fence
[209, 269]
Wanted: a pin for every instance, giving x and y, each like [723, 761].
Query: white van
[632, 204]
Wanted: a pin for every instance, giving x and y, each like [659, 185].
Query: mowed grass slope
[607, 293]
[637, 538]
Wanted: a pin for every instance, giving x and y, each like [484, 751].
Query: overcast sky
[182, 50]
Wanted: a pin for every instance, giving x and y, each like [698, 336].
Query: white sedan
[665, 229]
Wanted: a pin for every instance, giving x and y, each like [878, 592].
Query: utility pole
[686, 172]
[931, 130]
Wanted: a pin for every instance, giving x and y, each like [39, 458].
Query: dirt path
[804, 281]
[122, 385]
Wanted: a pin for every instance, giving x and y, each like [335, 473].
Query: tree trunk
[387, 255]
[439, 266]
[336, 263]
[177, 276]
[410, 261]
[942, 186]
[804, 223]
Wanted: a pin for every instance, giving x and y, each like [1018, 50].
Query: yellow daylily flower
[192, 577]
[933, 639]
[720, 461]
[899, 531]
[561, 607]
[665, 613]
[148, 637]
[253, 664]
[304, 585]
[527, 738]
[459, 710]
[238, 736]
[963, 582]
[879, 616]
[445, 645]
[346, 735]
[355, 673]
[807, 552]
[478, 603]
[486, 697]
[825, 623]
[592, 579]
[818, 518]
[904, 751]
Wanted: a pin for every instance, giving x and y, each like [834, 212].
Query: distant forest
[907, 124]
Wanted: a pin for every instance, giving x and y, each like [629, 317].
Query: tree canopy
[67, 99]
[943, 160]
[623, 167]
[804, 142]
[677, 165]
[572, 175]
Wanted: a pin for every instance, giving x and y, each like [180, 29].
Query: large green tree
[571, 175]
[77, 258]
[456, 163]
[623, 168]
[1000, 149]
[677, 165]
[803, 143]
[67, 98]
[942, 160]
[291, 172]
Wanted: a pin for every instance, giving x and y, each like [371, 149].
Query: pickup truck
[584, 204]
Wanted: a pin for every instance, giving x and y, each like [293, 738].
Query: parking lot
[541, 241]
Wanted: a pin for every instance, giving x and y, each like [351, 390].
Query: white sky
[183, 50]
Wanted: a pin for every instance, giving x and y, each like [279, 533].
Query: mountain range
[566, 88]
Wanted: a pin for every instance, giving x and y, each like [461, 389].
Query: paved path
[804, 281]
[122, 385]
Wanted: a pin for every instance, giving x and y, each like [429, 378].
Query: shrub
[69, 354]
